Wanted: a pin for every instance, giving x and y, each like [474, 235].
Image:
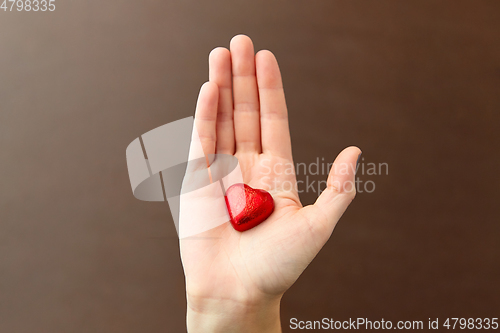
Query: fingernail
[357, 162]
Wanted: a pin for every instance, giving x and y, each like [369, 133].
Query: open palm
[242, 111]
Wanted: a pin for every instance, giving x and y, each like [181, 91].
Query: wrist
[229, 316]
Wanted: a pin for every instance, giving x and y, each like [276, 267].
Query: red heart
[247, 206]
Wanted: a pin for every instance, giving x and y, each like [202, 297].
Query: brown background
[414, 84]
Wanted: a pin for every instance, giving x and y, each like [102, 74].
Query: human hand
[235, 280]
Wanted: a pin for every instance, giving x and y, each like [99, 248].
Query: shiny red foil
[247, 207]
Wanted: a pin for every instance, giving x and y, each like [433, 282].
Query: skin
[235, 280]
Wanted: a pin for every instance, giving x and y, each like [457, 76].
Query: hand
[235, 280]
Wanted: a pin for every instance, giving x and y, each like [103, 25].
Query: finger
[273, 112]
[220, 74]
[206, 116]
[340, 191]
[245, 95]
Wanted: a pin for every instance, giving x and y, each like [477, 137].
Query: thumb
[340, 189]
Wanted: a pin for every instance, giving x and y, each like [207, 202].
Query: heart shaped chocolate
[247, 207]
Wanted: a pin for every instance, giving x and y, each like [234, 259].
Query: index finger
[273, 112]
